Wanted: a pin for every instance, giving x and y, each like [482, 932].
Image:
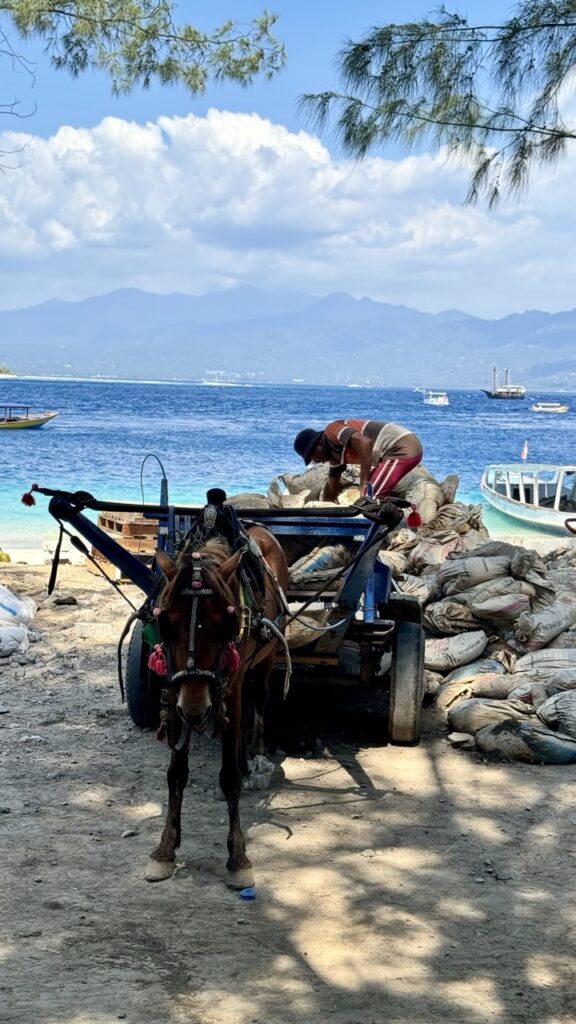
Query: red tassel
[28, 498]
[413, 519]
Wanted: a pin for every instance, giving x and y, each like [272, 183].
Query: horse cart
[360, 628]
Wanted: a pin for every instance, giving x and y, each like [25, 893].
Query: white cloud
[196, 203]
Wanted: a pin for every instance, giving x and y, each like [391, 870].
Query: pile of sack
[500, 623]
[16, 614]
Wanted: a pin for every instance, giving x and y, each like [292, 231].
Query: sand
[418, 885]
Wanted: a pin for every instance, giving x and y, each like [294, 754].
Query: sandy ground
[393, 885]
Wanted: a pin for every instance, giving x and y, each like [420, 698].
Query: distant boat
[549, 407]
[19, 417]
[538, 494]
[435, 398]
[506, 390]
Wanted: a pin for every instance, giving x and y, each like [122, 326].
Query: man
[384, 451]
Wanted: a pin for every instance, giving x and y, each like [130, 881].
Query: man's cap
[305, 443]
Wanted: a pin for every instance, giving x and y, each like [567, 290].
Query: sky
[170, 193]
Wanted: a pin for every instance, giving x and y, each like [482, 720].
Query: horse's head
[199, 624]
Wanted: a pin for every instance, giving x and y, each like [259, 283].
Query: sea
[114, 438]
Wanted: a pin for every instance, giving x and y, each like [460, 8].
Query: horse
[219, 616]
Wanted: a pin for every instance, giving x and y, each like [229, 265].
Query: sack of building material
[423, 588]
[312, 479]
[349, 495]
[502, 586]
[307, 627]
[430, 552]
[449, 652]
[249, 499]
[484, 666]
[489, 685]
[17, 610]
[565, 641]
[295, 500]
[454, 517]
[536, 629]
[14, 639]
[527, 742]
[428, 497]
[432, 682]
[458, 574]
[401, 539]
[545, 663]
[559, 713]
[415, 476]
[505, 608]
[322, 559]
[448, 618]
[471, 715]
[396, 561]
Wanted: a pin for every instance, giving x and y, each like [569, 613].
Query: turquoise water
[239, 438]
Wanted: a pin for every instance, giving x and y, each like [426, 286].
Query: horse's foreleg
[162, 860]
[260, 696]
[238, 866]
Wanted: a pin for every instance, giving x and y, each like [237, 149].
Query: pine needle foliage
[140, 41]
[490, 93]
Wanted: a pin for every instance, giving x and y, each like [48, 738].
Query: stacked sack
[16, 614]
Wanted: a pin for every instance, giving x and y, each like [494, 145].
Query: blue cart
[372, 635]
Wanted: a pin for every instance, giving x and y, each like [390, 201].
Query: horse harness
[250, 622]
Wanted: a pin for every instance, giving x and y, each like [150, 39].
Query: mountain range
[285, 335]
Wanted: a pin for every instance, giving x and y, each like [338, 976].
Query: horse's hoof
[159, 870]
[241, 879]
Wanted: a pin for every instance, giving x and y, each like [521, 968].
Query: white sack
[449, 652]
[527, 742]
[18, 610]
[14, 639]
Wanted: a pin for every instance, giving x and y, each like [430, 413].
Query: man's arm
[361, 447]
[332, 485]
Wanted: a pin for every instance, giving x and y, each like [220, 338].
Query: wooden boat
[435, 398]
[19, 417]
[549, 407]
[506, 390]
[540, 495]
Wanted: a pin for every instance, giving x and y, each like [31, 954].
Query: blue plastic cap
[248, 894]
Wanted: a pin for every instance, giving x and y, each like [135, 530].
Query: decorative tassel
[157, 661]
[28, 497]
[230, 657]
[413, 519]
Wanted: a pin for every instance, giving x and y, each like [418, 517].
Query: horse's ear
[165, 564]
[228, 568]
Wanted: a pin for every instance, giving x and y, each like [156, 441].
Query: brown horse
[216, 625]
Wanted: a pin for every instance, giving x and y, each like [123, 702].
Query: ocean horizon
[239, 436]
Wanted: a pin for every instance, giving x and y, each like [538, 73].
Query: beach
[407, 884]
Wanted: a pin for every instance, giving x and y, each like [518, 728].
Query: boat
[19, 417]
[506, 390]
[549, 407]
[538, 494]
[435, 398]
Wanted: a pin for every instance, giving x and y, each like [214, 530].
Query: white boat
[435, 398]
[549, 407]
[538, 494]
[506, 390]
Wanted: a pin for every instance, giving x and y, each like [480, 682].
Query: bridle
[226, 662]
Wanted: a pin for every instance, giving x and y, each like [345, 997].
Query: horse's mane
[214, 553]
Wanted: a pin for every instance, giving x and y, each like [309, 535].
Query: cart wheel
[406, 684]
[142, 685]
[570, 524]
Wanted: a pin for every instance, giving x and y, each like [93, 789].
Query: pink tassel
[157, 661]
[231, 658]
